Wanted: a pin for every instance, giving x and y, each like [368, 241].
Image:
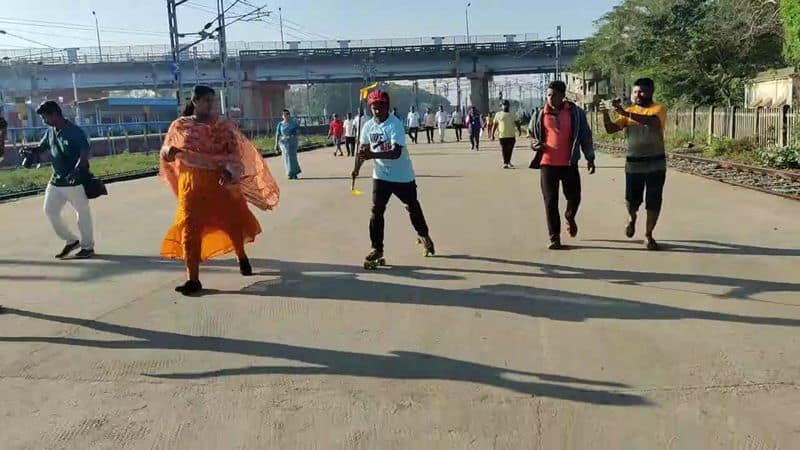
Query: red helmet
[378, 96]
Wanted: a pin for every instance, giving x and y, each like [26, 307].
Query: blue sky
[146, 22]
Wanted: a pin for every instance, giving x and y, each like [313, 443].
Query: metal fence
[26, 135]
[765, 126]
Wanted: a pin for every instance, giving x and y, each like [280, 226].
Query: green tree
[790, 11]
[696, 51]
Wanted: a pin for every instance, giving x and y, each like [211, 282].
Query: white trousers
[55, 197]
[442, 128]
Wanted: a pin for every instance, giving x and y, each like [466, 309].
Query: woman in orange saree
[214, 171]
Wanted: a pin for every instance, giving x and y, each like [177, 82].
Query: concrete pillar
[264, 100]
[479, 92]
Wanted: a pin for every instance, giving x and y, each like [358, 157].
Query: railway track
[785, 183]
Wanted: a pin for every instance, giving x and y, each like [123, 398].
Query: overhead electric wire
[74, 26]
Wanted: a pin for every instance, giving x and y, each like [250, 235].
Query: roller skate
[427, 245]
[374, 260]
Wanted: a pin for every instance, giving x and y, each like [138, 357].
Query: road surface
[497, 343]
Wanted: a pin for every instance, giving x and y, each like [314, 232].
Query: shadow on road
[396, 365]
[105, 266]
[703, 247]
[516, 299]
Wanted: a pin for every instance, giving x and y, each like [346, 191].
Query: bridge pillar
[479, 92]
[262, 99]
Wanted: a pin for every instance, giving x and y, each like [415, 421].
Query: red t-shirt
[336, 128]
[557, 136]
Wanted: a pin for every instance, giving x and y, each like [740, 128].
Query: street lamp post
[280, 17]
[466, 17]
[97, 29]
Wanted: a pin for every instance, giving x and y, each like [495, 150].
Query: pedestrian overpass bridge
[259, 73]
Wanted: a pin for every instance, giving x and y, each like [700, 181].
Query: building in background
[587, 89]
[773, 89]
[127, 109]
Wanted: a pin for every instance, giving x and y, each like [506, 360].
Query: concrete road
[497, 343]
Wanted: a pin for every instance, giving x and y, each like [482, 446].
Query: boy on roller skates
[383, 139]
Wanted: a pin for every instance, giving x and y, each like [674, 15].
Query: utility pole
[280, 17]
[74, 96]
[174, 40]
[223, 57]
[558, 52]
[97, 28]
[466, 18]
[435, 92]
[416, 95]
[458, 79]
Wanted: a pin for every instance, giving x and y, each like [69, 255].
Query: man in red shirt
[560, 132]
[336, 132]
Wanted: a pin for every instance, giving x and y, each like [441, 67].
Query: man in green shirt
[69, 152]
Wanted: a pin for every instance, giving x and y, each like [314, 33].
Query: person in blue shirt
[383, 140]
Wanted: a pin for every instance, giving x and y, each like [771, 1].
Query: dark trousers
[475, 139]
[381, 193]
[507, 145]
[412, 133]
[457, 129]
[637, 183]
[570, 180]
[350, 143]
[429, 134]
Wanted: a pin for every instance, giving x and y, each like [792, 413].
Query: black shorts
[652, 182]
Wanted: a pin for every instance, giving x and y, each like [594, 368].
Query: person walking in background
[458, 123]
[441, 122]
[475, 123]
[336, 132]
[490, 125]
[286, 140]
[350, 135]
[505, 129]
[383, 140]
[559, 133]
[412, 122]
[645, 158]
[430, 124]
[68, 147]
[214, 171]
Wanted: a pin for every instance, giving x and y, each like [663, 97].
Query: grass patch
[17, 179]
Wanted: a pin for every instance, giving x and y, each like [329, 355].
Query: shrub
[780, 157]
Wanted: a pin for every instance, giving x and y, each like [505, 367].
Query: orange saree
[212, 217]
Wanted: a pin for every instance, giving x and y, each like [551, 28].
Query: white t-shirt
[413, 120]
[457, 118]
[350, 128]
[382, 137]
[430, 120]
[441, 117]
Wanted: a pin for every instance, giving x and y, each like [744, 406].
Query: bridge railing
[160, 53]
